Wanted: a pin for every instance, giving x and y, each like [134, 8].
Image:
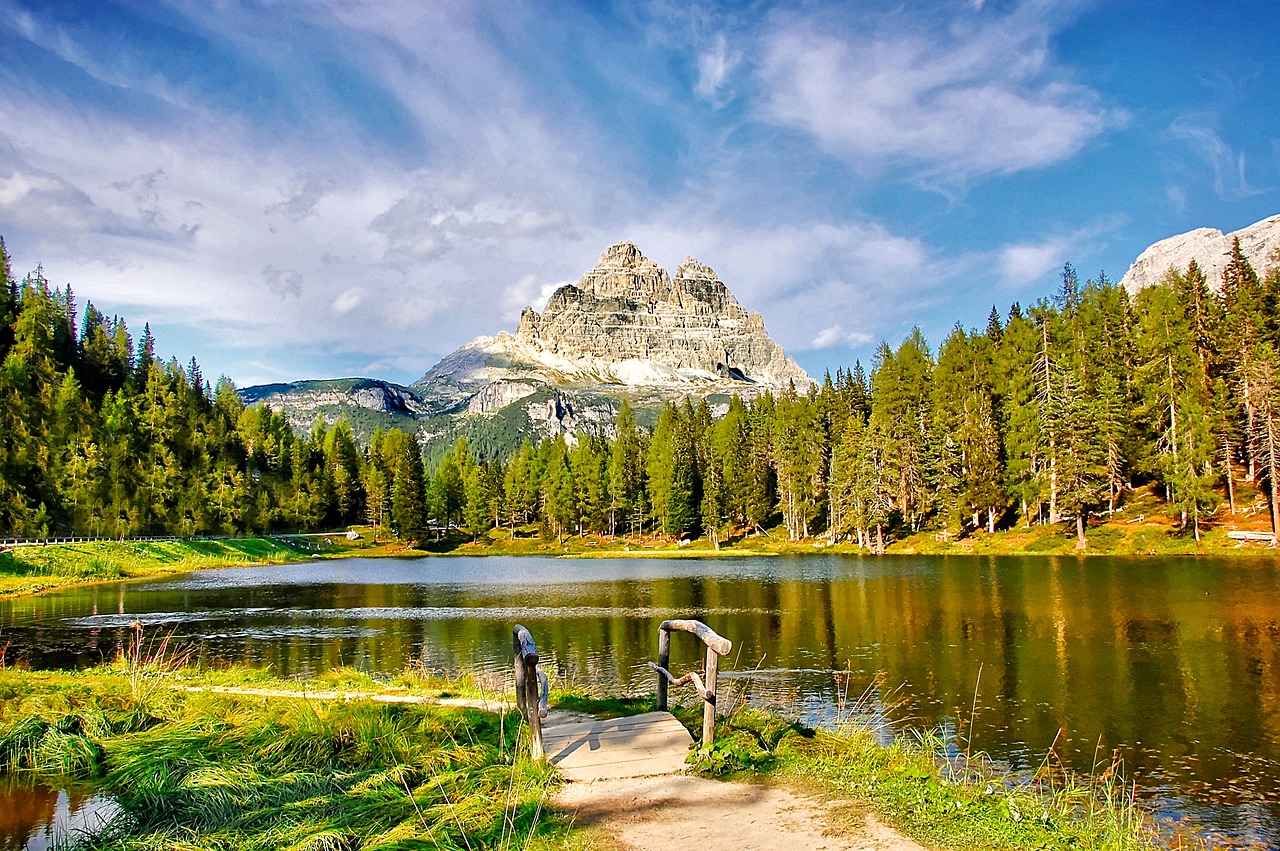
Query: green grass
[201, 770]
[944, 801]
[207, 770]
[25, 570]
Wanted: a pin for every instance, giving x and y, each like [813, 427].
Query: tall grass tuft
[241, 772]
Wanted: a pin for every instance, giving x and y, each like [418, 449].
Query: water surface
[1171, 663]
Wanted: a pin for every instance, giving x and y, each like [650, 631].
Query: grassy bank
[201, 770]
[26, 570]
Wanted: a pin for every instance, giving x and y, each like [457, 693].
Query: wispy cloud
[1230, 182]
[714, 67]
[979, 96]
[835, 335]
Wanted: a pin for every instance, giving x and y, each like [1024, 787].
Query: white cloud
[978, 98]
[1227, 164]
[1025, 263]
[714, 67]
[827, 338]
[835, 335]
[348, 300]
[530, 291]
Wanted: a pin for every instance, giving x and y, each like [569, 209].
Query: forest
[1049, 414]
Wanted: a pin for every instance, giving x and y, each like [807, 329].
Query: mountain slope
[625, 330]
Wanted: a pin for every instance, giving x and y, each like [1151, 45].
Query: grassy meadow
[197, 769]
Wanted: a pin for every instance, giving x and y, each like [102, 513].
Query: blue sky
[357, 187]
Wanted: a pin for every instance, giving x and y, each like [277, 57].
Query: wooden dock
[639, 746]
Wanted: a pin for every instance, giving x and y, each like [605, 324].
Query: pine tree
[1082, 467]
[475, 513]
[408, 490]
[1264, 435]
[660, 466]
[8, 302]
[558, 496]
[626, 471]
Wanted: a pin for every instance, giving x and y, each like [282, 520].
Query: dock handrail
[531, 687]
[717, 646]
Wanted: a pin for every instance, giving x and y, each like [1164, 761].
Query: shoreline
[27, 571]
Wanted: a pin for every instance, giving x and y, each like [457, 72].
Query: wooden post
[709, 703]
[664, 661]
[528, 687]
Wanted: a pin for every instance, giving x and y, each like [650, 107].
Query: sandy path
[662, 813]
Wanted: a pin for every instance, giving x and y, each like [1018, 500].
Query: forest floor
[1143, 525]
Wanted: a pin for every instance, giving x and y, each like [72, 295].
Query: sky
[358, 187]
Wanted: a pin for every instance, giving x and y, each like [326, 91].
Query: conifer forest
[1052, 413]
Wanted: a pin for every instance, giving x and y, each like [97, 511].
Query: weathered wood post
[531, 696]
[717, 646]
[664, 663]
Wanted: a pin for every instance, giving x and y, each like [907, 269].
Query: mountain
[626, 330]
[1210, 248]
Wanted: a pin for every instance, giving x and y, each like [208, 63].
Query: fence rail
[90, 539]
[86, 539]
[717, 646]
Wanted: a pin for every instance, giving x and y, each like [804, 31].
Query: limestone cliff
[1210, 248]
[628, 322]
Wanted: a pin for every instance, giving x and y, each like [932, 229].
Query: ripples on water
[1174, 662]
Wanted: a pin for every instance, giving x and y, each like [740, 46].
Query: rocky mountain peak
[1210, 249]
[623, 272]
[627, 318]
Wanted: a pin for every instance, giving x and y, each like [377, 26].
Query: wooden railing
[531, 687]
[717, 646]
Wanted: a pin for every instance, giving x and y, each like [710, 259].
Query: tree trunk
[1273, 468]
[1248, 413]
[1226, 464]
[1081, 543]
[991, 520]
[879, 539]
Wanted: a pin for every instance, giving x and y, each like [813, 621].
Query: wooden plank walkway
[638, 746]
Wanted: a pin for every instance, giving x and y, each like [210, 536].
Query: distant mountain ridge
[1209, 248]
[626, 330]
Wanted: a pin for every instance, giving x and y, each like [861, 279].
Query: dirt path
[672, 810]
[666, 812]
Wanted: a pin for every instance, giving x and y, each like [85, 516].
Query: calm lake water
[1174, 663]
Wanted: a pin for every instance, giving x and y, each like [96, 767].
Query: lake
[1174, 663]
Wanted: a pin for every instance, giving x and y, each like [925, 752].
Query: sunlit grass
[28, 569]
[198, 770]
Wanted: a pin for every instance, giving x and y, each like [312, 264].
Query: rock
[1210, 248]
[498, 395]
[628, 322]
